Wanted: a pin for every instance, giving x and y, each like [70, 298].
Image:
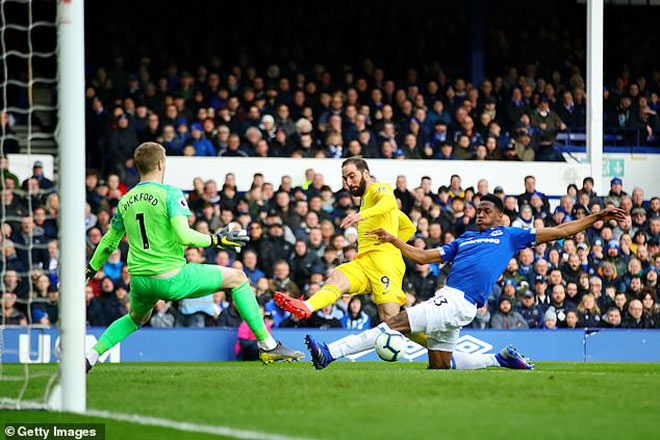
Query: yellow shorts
[377, 272]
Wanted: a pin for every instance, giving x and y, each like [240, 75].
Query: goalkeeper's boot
[88, 366]
[321, 356]
[510, 358]
[280, 353]
[293, 305]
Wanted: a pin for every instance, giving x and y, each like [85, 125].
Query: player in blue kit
[478, 259]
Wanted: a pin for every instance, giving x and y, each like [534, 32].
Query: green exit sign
[613, 167]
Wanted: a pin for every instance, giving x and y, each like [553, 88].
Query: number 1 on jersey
[143, 230]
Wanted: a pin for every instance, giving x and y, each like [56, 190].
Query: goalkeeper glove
[233, 240]
[89, 273]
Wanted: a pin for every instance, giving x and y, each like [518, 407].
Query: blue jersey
[479, 258]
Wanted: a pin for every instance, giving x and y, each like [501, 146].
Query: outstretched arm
[225, 238]
[187, 236]
[419, 256]
[569, 229]
[106, 246]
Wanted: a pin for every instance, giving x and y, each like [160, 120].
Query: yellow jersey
[379, 209]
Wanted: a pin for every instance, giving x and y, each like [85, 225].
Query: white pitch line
[17, 404]
[191, 427]
[157, 421]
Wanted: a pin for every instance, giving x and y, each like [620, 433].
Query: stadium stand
[295, 242]
[317, 104]
[405, 107]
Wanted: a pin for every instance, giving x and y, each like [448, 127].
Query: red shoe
[293, 305]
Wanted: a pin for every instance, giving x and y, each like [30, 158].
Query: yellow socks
[324, 297]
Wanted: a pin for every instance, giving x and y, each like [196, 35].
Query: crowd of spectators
[396, 86]
[606, 276]
[284, 112]
[29, 248]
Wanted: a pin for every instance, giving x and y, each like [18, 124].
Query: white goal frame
[71, 145]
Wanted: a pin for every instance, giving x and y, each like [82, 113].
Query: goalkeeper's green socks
[247, 307]
[119, 330]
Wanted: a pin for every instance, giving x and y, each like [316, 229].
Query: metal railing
[632, 138]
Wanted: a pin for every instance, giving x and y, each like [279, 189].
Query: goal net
[29, 255]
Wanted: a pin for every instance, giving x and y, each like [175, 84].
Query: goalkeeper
[154, 216]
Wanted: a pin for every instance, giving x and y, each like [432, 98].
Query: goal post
[71, 144]
[595, 57]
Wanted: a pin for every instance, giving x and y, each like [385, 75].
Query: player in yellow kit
[378, 267]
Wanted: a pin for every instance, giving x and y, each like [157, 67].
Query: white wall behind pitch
[21, 164]
[636, 170]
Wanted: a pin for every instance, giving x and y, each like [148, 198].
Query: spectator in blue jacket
[355, 319]
[112, 267]
[276, 313]
[203, 147]
[533, 313]
[172, 143]
[250, 266]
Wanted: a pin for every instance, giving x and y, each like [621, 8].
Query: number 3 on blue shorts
[385, 281]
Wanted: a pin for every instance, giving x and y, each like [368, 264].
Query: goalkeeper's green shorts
[192, 281]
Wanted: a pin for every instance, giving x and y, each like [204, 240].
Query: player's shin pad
[324, 297]
[420, 338]
[247, 307]
[119, 330]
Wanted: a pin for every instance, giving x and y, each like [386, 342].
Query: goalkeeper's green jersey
[144, 215]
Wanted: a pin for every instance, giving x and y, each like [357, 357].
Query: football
[390, 345]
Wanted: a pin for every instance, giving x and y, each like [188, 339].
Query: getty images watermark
[58, 431]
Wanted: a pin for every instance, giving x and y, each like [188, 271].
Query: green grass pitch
[369, 400]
